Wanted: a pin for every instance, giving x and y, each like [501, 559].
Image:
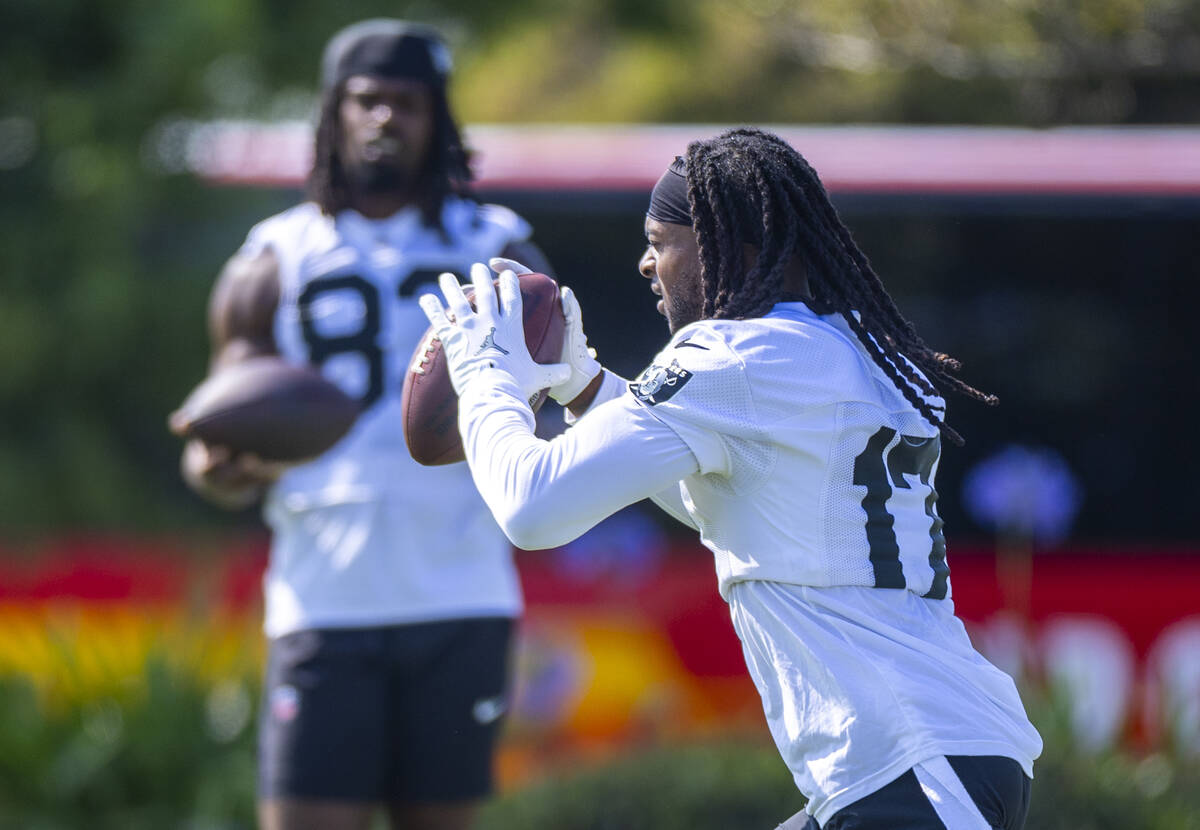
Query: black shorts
[405, 713]
[998, 786]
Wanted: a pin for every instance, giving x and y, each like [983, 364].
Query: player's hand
[231, 480]
[492, 335]
[500, 264]
[576, 353]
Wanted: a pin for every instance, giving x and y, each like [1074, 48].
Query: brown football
[277, 410]
[429, 406]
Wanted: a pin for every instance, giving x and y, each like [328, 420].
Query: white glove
[575, 351]
[489, 336]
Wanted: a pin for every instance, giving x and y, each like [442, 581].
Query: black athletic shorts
[998, 786]
[405, 713]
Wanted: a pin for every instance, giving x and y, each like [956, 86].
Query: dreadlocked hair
[747, 186]
[447, 169]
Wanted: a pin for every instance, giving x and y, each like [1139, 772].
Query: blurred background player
[391, 593]
[793, 422]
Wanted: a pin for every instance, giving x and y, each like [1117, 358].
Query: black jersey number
[879, 472]
[365, 341]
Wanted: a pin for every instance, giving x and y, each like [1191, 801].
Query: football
[429, 406]
[264, 405]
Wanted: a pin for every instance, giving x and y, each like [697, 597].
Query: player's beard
[684, 303]
[378, 178]
[683, 311]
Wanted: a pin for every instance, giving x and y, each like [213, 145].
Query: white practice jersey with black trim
[814, 467]
[364, 535]
[810, 477]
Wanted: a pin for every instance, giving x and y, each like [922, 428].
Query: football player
[391, 592]
[794, 421]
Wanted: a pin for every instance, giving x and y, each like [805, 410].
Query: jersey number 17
[879, 470]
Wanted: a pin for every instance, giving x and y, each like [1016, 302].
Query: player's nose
[381, 113]
[646, 265]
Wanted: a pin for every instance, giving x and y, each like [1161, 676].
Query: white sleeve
[546, 493]
[258, 238]
[515, 228]
[697, 386]
[670, 501]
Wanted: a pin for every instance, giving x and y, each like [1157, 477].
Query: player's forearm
[518, 475]
[605, 387]
[546, 493]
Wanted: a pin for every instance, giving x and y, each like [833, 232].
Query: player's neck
[795, 281]
[795, 277]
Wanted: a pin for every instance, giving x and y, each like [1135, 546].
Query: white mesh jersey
[810, 477]
[814, 468]
[364, 535]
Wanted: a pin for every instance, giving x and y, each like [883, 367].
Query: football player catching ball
[794, 420]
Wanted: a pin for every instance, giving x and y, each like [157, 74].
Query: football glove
[575, 352]
[491, 335]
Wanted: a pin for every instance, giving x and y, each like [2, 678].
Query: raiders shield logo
[659, 383]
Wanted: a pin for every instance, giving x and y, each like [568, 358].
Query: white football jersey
[364, 535]
[814, 468]
[810, 477]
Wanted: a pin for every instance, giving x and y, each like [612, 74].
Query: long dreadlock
[749, 186]
[446, 171]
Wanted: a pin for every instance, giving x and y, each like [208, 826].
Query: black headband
[669, 199]
[388, 49]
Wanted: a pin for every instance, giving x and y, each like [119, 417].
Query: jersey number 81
[365, 341]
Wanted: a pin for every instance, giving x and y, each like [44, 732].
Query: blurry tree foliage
[1026, 62]
[107, 257]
